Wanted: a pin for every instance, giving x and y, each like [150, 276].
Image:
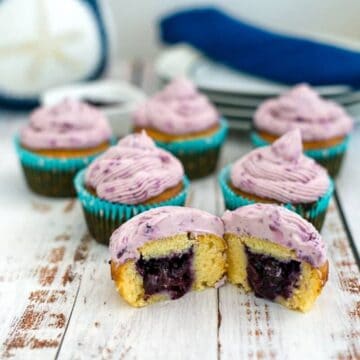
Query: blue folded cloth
[278, 57]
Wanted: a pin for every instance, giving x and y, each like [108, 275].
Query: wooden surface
[57, 299]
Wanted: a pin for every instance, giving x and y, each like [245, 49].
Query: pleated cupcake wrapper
[49, 176]
[44, 163]
[199, 165]
[103, 217]
[315, 212]
[199, 145]
[198, 156]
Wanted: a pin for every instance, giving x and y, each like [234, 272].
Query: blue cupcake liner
[198, 145]
[308, 211]
[317, 154]
[46, 163]
[117, 211]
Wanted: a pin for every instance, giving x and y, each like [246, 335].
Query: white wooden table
[57, 299]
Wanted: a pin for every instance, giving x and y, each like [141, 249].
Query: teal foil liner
[198, 145]
[198, 156]
[36, 161]
[103, 217]
[314, 212]
[50, 176]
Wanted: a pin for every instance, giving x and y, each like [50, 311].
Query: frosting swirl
[278, 225]
[68, 125]
[159, 223]
[177, 110]
[281, 172]
[302, 108]
[133, 171]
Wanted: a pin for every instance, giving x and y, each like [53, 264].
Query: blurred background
[47, 44]
[137, 33]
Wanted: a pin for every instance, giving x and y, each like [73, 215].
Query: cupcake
[276, 254]
[129, 178]
[59, 141]
[324, 125]
[184, 122]
[279, 173]
[164, 253]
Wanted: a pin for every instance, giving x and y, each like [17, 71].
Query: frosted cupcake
[324, 125]
[59, 141]
[184, 122]
[129, 178]
[276, 254]
[279, 174]
[164, 253]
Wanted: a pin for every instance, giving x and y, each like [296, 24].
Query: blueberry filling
[269, 277]
[171, 274]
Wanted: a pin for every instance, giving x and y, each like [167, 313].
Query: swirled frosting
[281, 172]
[160, 223]
[302, 108]
[178, 109]
[278, 225]
[68, 125]
[133, 171]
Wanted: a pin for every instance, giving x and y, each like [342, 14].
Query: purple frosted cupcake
[127, 179]
[324, 125]
[59, 141]
[280, 174]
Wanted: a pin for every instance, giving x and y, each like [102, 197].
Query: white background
[136, 31]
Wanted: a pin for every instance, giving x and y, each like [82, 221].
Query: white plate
[126, 95]
[183, 60]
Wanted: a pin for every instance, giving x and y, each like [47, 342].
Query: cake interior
[168, 268]
[273, 272]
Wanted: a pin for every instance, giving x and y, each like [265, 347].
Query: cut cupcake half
[164, 253]
[276, 254]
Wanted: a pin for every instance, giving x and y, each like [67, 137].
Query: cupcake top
[177, 110]
[281, 172]
[133, 171]
[278, 225]
[303, 108]
[68, 125]
[160, 223]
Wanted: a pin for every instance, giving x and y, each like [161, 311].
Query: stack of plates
[235, 94]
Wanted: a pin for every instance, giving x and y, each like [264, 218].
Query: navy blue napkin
[245, 47]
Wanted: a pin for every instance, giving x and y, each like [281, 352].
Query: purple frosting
[133, 171]
[68, 125]
[281, 172]
[278, 225]
[157, 224]
[302, 108]
[178, 109]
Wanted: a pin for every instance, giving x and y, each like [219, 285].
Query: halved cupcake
[324, 125]
[57, 142]
[184, 122]
[129, 178]
[279, 174]
[164, 253]
[276, 254]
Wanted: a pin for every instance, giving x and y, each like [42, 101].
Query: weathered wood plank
[348, 187]
[103, 325]
[38, 269]
[252, 328]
